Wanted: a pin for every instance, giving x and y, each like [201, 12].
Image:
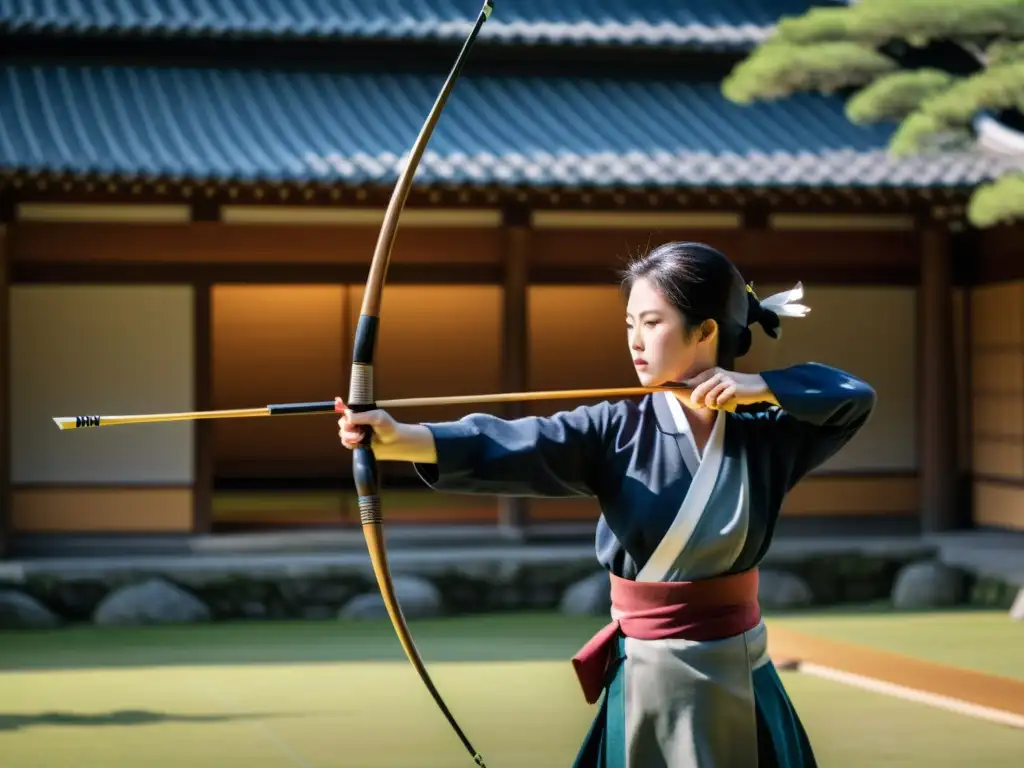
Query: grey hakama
[668, 514]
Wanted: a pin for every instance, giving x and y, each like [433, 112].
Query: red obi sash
[711, 609]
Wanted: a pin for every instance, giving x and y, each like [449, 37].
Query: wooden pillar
[937, 414]
[515, 340]
[202, 393]
[965, 249]
[5, 395]
[202, 482]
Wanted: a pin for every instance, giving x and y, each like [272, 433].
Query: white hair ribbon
[780, 303]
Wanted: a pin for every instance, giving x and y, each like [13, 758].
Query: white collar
[683, 424]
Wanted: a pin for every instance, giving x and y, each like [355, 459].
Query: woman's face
[657, 339]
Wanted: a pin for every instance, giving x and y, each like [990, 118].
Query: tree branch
[949, 113]
[828, 49]
[999, 202]
[998, 87]
[876, 22]
[895, 96]
[777, 70]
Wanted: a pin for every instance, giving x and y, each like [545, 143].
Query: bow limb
[361, 391]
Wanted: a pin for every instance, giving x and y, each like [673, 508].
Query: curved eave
[946, 202]
[720, 38]
[702, 24]
[997, 138]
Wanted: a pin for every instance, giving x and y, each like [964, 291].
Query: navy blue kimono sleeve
[820, 410]
[559, 456]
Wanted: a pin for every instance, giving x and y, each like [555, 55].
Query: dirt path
[786, 645]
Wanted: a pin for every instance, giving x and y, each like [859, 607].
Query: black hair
[703, 284]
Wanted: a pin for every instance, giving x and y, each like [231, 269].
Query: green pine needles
[832, 49]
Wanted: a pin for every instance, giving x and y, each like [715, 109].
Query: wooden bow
[360, 398]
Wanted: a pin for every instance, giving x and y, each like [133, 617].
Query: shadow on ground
[123, 717]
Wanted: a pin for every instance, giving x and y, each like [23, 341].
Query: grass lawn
[980, 640]
[340, 694]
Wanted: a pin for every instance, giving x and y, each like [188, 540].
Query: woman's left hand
[719, 389]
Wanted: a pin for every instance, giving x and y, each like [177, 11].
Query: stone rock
[154, 601]
[1017, 609]
[929, 584]
[20, 611]
[780, 590]
[418, 598]
[588, 597]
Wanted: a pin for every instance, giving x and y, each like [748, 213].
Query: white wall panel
[78, 350]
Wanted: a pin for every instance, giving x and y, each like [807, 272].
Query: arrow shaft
[327, 406]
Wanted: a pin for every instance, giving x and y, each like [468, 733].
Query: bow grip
[364, 462]
[360, 386]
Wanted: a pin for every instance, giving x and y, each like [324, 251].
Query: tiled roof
[353, 128]
[702, 23]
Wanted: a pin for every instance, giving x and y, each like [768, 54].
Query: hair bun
[758, 313]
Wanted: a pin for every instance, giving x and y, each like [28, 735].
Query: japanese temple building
[190, 204]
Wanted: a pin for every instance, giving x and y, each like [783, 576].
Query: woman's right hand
[385, 428]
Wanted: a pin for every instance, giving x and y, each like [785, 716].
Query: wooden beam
[841, 222]
[203, 437]
[336, 253]
[448, 218]
[820, 274]
[54, 188]
[210, 243]
[765, 255]
[251, 273]
[5, 396]
[513, 512]
[107, 213]
[625, 220]
[938, 402]
[897, 273]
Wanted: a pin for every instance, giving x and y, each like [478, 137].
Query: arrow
[327, 406]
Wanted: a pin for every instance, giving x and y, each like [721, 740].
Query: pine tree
[851, 47]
